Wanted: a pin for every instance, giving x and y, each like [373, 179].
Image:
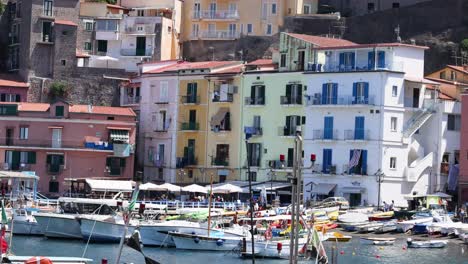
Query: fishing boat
[426, 244]
[371, 227]
[24, 222]
[381, 216]
[56, 225]
[389, 226]
[212, 242]
[275, 249]
[338, 237]
[404, 226]
[378, 240]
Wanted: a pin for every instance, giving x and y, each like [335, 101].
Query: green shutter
[122, 162]
[59, 109]
[108, 161]
[61, 159]
[31, 157]
[49, 159]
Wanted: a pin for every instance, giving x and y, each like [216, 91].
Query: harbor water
[352, 252]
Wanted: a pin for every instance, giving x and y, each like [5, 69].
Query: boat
[462, 229]
[55, 260]
[205, 242]
[57, 225]
[464, 238]
[420, 228]
[371, 227]
[327, 226]
[408, 225]
[426, 244]
[389, 226]
[338, 237]
[383, 243]
[275, 249]
[24, 222]
[378, 240]
[103, 229]
[382, 216]
[351, 227]
[352, 217]
[156, 234]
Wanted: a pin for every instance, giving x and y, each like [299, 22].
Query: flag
[134, 199]
[134, 243]
[354, 161]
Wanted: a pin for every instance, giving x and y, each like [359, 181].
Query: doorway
[9, 136]
[300, 60]
[140, 46]
[416, 97]
[354, 199]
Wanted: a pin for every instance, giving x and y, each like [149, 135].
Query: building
[370, 121]
[463, 176]
[228, 20]
[12, 89]
[61, 141]
[190, 120]
[453, 79]
[121, 36]
[359, 7]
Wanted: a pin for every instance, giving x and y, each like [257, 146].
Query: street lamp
[379, 178]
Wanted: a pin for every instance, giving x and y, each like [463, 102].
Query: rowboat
[338, 237]
[408, 225]
[426, 244]
[378, 240]
[350, 227]
[389, 226]
[381, 216]
[369, 227]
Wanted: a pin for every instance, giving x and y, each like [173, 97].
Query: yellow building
[229, 19]
[208, 121]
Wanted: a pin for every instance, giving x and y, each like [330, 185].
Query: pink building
[61, 141]
[12, 89]
[463, 176]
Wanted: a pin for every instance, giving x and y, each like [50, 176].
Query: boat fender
[193, 232]
[196, 240]
[409, 241]
[219, 242]
[279, 247]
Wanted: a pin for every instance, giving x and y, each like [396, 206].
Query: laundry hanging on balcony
[354, 161]
[217, 119]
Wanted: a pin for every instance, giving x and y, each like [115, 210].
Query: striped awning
[119, 135]
[219, 116]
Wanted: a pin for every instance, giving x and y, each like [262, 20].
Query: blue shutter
[327, 160]
[324, 93]
[328, 127]
[381, 59]
[366, 93]
[353, 60]
[335, 94]
[354, 93]
[370, 60]
[359, 127]
[342, 60]
[351, 170]
[364, 162]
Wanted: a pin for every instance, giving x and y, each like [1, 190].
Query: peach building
[61, 142]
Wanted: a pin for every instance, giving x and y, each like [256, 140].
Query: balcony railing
[134, 52]
[357, 134]
[254, 131]
[188, 160]
[325, 134]
[162, 127]
[278, 164]
[229, 98]
[218, 34]
[356, 170]
[336, 67]
[329, 169]
[216, 14]
[48, 143]
[189, 99]
[190, 126]
[131, 100]
[287, 131]
[146, 29]
[340, 100]
[220, 162]
[254, 101]
[291, 100]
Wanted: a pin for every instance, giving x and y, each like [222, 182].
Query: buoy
[404, 248]
[341, 252]
[219, 242]
[193, 232]
[354, 253]
[196, 240]
[279, 246]
[377, 256]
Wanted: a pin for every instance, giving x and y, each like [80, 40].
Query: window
[102, 46]
[273, 8]
[190, 174]
[395, 5]
[252, 176]
[48, 4]
[63, 62]
[53, 187]
[453, 75]
[222, 155]
[163, 92]
[394, 91]
[106, 25]
[453, 122]
[371, 7]
[269, 29]
[88, 46]
[306, 9]
[18, 10]
[290, 127]
[327, 161]
[393, 163]
[10, 97]
[46, 31]
[347, 60]
[254, 151]
[115, 165]
[54, 163]
[330, 93]
[195, 30]
[59, 110]
[283, 60]
[89, 26]
[257, 95]
[293, 94]
[361, 93]
[249, 28]
[393, 124]
[442, 75]
[140, 12]
[24, 131]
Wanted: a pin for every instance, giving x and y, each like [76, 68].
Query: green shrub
[57, 89]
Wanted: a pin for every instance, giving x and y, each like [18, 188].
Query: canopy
[149, 187]
[194, 188]
[110, 185]
[119, 135]
[170, 187]
[323, 188]
[219, 116]
[226, 188]
[441, 195]
[107, 58]
[18, 175]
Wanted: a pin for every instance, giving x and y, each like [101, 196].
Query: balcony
[189, 99]
[284, 131]
[359, 67]
[229, 98]
[216, 15]
[318, 100]
[54, 144]
[254, 101]
[140, 29]
[325, 134]
[190, 126]
[253, 131]
[49, 14]
[187, 160]
[328, 169]
[130, 100]
[217, 35]
[107, 35]
[136, 52]
[291, 100]
[356, 170]
[357, 134]
[162, 127]
[222, 162]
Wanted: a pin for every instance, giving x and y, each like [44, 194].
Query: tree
[464, 45]
[57, 89]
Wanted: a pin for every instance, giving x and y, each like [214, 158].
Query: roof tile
[12, 81]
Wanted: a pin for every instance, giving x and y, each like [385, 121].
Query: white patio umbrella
[169, 187]
[107, 59]
[149, 187]
[194, 188]
[226, 188]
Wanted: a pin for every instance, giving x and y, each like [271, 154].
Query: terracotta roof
[459, 68]
[261, 62]
[33, 107]
[374, 45]
[12, 81]
[446, 81]
[322, 41]
[65, 22]
[80, 54]
[445, 96]
[104, 110]
[115, 6]
[184, 65]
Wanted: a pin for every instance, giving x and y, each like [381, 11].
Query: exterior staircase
[418, 120]
[417, 167]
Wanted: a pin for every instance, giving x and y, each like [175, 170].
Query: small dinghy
[338, 237]
[371, 227]
[389, 226]
[381, 241]
[426, 243]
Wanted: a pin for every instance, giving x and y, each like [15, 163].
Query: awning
[219, 116]
[110, 185]
[353, 189]
[56, 127]
[323, 188]
[119, 128]
[119, 135]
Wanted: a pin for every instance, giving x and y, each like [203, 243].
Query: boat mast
[251, 200]
[209, 203]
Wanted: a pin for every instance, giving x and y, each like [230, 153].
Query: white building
[370, 113]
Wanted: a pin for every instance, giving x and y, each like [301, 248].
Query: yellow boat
[333, 215]
[338, 237]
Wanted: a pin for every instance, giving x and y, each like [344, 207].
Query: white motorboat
[278, 249]
[384, 241]
[371, 227]
[157, 234]
[389, 226]
[408, 225]
[104, 229]
[353, 218]
[426, 244]
[59, 225]
[462, 229]
[24, 223]
[201, 242]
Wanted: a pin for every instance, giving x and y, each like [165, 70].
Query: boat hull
[27, 228]
[158, 234]
[59, 226]
[427, 244]
[271, 249]
[194, 242]
[103, 232]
